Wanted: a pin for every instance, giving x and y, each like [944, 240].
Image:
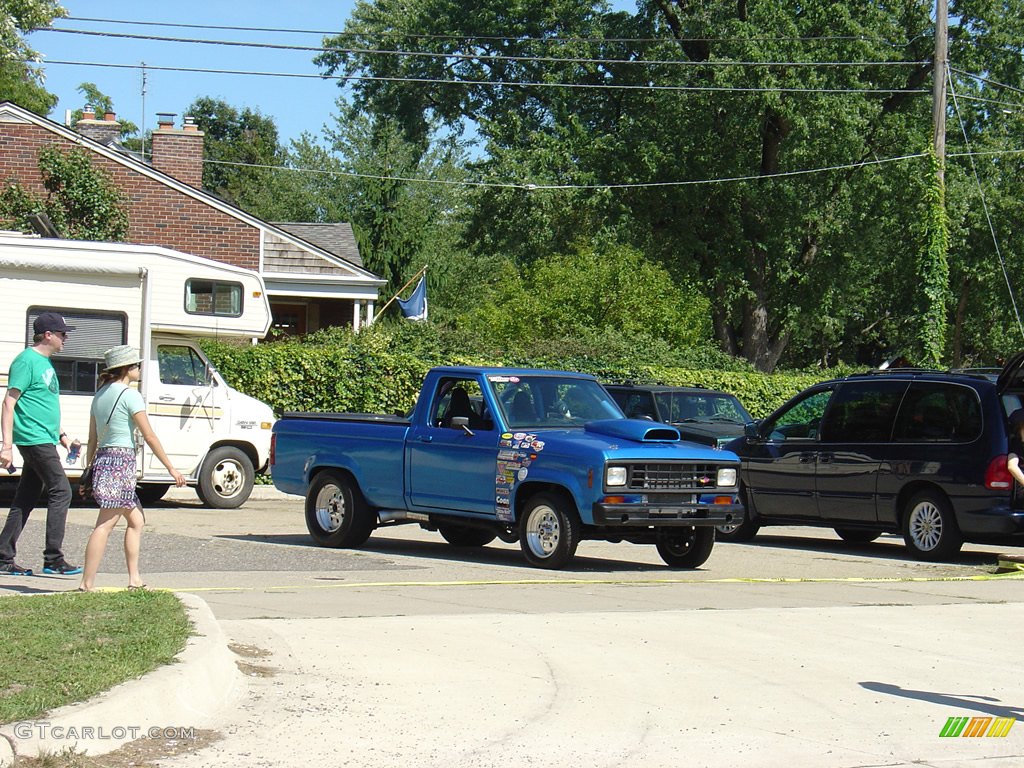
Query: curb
[259, 493]
[184, 694]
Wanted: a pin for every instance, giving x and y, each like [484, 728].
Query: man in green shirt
[30, 419]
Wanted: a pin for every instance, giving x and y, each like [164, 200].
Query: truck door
[449, 468]
[184, 404]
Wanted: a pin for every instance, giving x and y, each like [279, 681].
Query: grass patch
[58, 649]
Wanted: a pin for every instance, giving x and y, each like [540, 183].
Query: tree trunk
[958, 323]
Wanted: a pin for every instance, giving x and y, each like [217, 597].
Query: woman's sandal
[137, 588]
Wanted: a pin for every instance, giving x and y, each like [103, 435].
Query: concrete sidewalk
[189, 693]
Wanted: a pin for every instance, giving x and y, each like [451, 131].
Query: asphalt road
[797, 649]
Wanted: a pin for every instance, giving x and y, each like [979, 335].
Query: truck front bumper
[665, 515]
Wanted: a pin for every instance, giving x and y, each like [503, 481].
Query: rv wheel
[226, 478]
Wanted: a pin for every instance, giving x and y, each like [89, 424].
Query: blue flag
[415, 307]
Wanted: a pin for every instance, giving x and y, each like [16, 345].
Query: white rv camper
[159, 301]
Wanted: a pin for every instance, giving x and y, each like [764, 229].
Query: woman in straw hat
[117, 410]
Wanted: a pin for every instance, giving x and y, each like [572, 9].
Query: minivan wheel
[858, 535]
[745, 530]
[929, 528]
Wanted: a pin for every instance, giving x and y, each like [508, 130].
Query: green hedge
[365, 373]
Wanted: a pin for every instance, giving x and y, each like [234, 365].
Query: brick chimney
[178, 152]
[102, 129]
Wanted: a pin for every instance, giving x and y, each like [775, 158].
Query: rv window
[80, 362]
[181, 365]
[206, 297]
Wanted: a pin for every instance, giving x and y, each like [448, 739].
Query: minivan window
[863, 412]
[935, 411]
[801, 421]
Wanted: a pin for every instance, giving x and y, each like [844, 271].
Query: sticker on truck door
[510, 468]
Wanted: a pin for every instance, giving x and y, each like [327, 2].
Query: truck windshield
[551, 402]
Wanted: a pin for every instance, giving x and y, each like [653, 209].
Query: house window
[209, 297]
[78, 365]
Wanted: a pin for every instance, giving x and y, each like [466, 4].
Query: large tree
[712, 104]
[21, 77]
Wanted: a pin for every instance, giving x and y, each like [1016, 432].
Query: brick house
[313, 273]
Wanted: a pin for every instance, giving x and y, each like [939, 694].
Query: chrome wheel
[549, 531]
[543, 530]
[336, 512]
[330, 508]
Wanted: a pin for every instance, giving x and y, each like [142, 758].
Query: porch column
[369, 312]
[357, 310]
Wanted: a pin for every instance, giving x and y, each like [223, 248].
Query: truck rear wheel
[226, 478]
[336, 513]
[465, 536]
[686, 547]
[549, 531]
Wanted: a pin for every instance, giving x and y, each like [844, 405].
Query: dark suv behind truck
[917, 452]
[704, 416]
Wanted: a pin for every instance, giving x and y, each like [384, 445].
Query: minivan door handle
[808, 458]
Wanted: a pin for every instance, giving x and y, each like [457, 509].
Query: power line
[984, 205]
[496, 83]
[549, 187]
[487, 56]
[987, 80]
[512, 38]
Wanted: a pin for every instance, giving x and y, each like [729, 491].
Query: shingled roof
[336, 239]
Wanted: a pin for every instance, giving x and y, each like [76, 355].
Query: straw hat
[120, 356]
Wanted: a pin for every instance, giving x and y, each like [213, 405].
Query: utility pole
[939, 85]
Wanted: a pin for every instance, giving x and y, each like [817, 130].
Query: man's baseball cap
[50, 321]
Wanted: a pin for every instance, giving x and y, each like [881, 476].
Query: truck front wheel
[549, 531]
[336, 514]
[686, 547]
[226, 478]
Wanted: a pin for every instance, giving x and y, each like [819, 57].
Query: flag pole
[389, 302]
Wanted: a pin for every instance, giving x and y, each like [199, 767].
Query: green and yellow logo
[977, 726]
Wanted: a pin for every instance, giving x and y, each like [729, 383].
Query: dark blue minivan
[918, 452]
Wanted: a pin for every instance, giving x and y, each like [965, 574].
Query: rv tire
[226, 478]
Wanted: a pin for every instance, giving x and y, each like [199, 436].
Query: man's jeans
[42, 469]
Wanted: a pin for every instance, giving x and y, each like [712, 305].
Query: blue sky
[296, 104]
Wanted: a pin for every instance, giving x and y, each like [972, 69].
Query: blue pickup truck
[542, 457]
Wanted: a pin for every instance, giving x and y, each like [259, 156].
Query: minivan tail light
[997, 476]
[273, 445]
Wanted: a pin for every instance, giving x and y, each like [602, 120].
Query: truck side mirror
[752, 429]
[461, 422]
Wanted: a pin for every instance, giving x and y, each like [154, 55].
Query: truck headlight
[726, 477]
[615, 476]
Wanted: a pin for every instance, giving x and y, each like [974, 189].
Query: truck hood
[634, 429]
[618, 439]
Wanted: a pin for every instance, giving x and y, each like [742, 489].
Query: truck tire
[226, 478]
[336, 513]
[150, 493]
[686, 547]
[549, 531]
[929, 527]
[465, 536]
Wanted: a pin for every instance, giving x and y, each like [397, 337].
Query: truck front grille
[654, 477]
